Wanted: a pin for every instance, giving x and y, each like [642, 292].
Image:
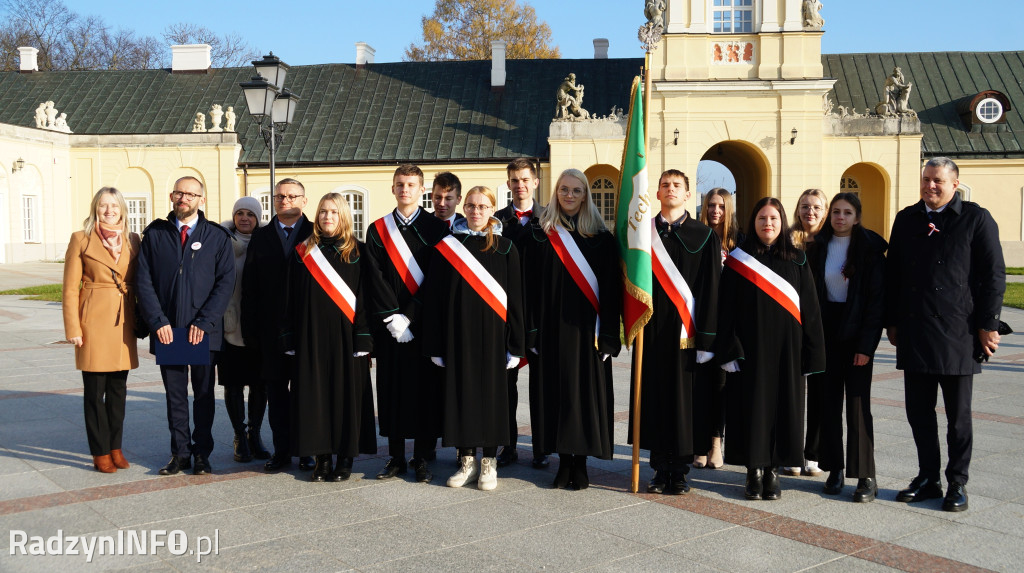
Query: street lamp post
[270, 103]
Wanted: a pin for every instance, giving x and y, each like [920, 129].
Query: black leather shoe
[772, 487]
[277, 463]
[307, 463]
[259, 451]
[658, 482]
[578, 478]
[755, 483]
[834, 483]
[391, 469]
[507, 455]
[920, 488]
[677, 484]
[540, 462]
[202, 466]
[562, 477]
[422, 469]
[175, 466]
[956, 498]
[342, 470]
[322, 469]
[866, 491]
[241, 446]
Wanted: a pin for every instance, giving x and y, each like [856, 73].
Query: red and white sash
[474, 273]
[579, 269]
[399, 252]
[675, 287]
[329, 280]
[765, 279]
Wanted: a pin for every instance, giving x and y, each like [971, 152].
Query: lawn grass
[1015, 270]
[1014, 295]
[52, 293]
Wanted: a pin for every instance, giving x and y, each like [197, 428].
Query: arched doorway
[604, 188]
[871, 184]
[749, 168]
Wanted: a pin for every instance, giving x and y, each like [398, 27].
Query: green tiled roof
[940, 79]
[389, 112]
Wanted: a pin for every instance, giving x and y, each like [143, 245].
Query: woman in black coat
[848, 263]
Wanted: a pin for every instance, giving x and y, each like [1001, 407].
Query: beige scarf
[111, 236]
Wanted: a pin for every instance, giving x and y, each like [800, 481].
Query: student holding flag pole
[473, 310]
[572, 316]
[769, 330]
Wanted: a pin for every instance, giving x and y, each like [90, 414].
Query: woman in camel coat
[99, 319]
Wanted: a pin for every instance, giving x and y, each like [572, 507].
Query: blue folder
[181, 352]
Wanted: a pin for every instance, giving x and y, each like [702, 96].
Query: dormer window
[989, 110]
[984, 111]
[732, 16]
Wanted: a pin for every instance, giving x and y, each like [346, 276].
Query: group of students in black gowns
[452, 307]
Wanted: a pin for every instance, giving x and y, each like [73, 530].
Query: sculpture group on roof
[47, 117]
[217, 114]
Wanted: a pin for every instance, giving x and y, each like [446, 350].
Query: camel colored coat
[100, 312]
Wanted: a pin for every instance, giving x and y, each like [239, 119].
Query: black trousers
[279, 408]
[921, 394]
[238, 367]
[663, 461]
[105, 394]
[513, 403]
[841, 378]
[198, 441]
[423, 448]
[812, 439]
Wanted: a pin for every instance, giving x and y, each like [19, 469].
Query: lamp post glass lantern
[271, 106]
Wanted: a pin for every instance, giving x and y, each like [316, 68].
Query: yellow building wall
[998, 185]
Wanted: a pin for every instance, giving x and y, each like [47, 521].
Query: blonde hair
[588, 222]
[344, 233]
[729, 223]
[796, 230]
[89, 225]
[489, 194]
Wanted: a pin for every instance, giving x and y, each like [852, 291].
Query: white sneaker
[811, 468]
[488, 474]
[467, 473]
[792, 470]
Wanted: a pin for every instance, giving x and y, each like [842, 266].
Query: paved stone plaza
[284, 522]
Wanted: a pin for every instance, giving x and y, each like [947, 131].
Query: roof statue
[569, 98]
[895, 95]
[51, 115]
[811, 17]
[229, 119]
[650, 33]
[216, 114]
[199, 123]
[61, 123]
[46, 117]
[41, 116]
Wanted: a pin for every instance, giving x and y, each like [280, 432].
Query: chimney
[497, 64]
[364, 54]
[600, 48]
[29, 60]
[190, 59]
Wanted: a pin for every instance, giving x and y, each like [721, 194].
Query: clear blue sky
[312, 32]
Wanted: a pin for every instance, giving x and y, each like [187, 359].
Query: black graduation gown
[472, 339]
[766, 398]
[669, 420]
[571, 401]
[408, 386]
[331, 394]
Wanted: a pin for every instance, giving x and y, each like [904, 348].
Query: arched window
[964, 191]
[265, 204]
[138, 213]
[503, 196]
[356, 198]
[604, 194]
[849, 185]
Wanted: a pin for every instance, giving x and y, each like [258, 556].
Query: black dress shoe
[866, 490]
[755, 483]
[772, 487]
[306, 463]
[507, 455]
[422, 469]
[834, 483]
[322, 469]
[277, 463]
[391, 469]
[259, 451]
[563, 476]
[920, 488]
[175, 466]
[202, 466]
[956, 497]
[578, 478]
[540, 462]
[658, 482]
[342, 470]
[677, 484]
[241, 446]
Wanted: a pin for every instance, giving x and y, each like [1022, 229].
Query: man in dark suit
[185, 278]
[516, 219]
[263, 286]
[944, 291]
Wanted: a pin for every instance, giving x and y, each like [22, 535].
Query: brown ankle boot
[103, 464]
[715, 460]
[118, 458]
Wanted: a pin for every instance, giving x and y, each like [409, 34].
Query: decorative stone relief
[229, 119]
[199, 123]
[732, 53]
[569, 101]
[811, 17]
[216, 115]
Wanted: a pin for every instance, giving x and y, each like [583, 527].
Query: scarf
[111, 236]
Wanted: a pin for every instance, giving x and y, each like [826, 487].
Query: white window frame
[266, 203]
[359, 221]
[504, 196]
[964, 191]
[599, 196]
[983, 104]
[30, 220]
[146, 219]
[730, 7]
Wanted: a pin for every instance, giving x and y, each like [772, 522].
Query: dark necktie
[287, 232]
[184, 235]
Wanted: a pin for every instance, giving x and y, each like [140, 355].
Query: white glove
[398, 326]
[289, 352]
[511, 361]
[703, 356]
[534, 350]
[360, 354]
[733, 366]
[604, 356]
[437, 360]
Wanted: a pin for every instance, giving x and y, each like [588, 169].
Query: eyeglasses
[468, 207]
[189, 196]
[815, 208]
[566, 192]
[292, 198]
